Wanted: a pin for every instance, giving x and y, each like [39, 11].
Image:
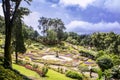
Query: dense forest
[54, 51]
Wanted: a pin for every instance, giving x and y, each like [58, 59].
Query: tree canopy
[50, 25]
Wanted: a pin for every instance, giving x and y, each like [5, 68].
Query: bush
[108, 74]
[35, 66]
[83, 68]
[116, 72]
[75, 75]
[87, 54]
[21, 62]
[60, 70]
[64, 47]
[100, 53]
[36, 45]
[115, 58]
[41, 47]
[6, 74]
[105, 62]
[44, 71]
[72, 41]
[98, 71]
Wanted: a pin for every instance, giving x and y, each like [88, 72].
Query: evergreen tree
[19, 41]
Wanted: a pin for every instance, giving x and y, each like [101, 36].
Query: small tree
[35, 35]
[105, 62]
[28, 42]
[51, 36]
[17, 32]
[19, 43]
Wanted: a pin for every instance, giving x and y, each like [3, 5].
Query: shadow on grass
[17, 72]
[24, 77]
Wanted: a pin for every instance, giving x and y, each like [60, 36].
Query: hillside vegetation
[57, 54]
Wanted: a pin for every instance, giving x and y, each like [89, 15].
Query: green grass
[26, 72]
[51, 75]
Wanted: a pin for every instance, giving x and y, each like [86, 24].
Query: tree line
[109, 42]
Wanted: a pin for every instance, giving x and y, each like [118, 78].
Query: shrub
[83, 68]
[100, 53]
[98, 71]
[116, 72]
[6, 74]
[108, 74]
[87, 54]
[36, 45]
[21, 62]
[44, 71]
[72, 41]
[41, 47]
[115, 58]
[105, 62]
[75, 75]
[64, 47]
[60, 70]
[35, 66]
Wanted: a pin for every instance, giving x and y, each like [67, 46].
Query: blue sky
[81, 16]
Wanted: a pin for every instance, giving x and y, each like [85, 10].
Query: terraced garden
[59, 58]
[68, 58]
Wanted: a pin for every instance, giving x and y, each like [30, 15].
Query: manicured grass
[51, 75]
[26, 72]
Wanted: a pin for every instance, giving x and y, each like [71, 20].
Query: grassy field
[51, 75]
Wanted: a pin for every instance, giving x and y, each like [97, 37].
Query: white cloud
[80, 3]
[54, 5]
[1, 10]
[110, 5]
[87, 27]
[32, 19]
[113, 5]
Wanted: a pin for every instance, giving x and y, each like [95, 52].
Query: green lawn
[26, 72]
[51, 75]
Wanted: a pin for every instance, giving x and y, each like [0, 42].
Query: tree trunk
[9, 21]
[16, 56]
[7, 48]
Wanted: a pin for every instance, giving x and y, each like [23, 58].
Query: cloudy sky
[81, 16]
